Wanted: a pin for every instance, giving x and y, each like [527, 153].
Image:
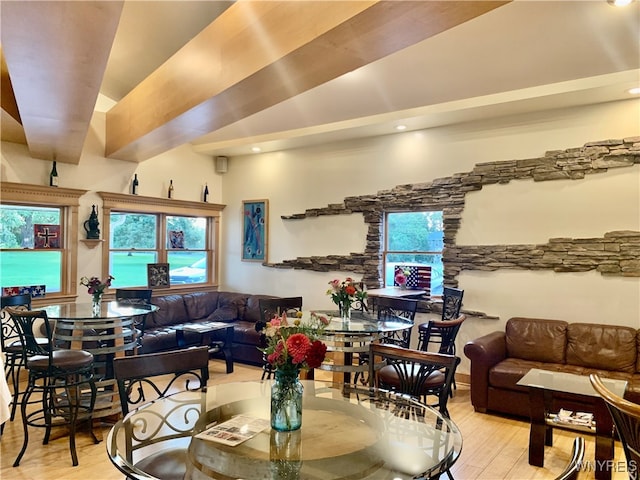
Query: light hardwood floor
[494, 447]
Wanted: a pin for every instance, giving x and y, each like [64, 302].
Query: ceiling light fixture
[401, 127]
[619, 3]
[634, 91]
[256, 149]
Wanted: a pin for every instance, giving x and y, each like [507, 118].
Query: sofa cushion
[607, 347]
[245, 332]
[231, 306]
[252, 311]
[535, 339]
[171, 311]
[200, 305]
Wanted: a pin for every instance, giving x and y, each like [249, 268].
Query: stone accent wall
[617, 253]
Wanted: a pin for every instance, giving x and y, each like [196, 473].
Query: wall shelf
[91, 242]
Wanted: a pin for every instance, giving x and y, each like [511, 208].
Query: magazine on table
[234, 431]
[204, 327]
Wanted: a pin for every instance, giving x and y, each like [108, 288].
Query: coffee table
[205, 331]
[573, 392]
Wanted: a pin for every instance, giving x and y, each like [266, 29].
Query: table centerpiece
[344, 294]
[96, 288]
[291, 346]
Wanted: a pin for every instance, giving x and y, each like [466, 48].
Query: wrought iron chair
[144, 377]
[11, 345]
[414, 372]
[269, 307]
[391, 307]
[59, 375]
[451, 305]
[442, 334]
[573, 467]
[626, 418]
[136, 296]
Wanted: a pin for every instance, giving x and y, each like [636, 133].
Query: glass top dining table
[84, 311]
[347, 432]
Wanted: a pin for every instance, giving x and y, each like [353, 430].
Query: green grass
[29, 267]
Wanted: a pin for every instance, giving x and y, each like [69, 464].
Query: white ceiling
[524, 56]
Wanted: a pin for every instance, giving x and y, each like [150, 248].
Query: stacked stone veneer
[616, 253]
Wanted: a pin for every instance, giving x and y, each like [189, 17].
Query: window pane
[17, 221]
[435, 261]
[133, 230]
[415, 232]
[187, 267]
[23, 268]
[186, 232]
[130, 268]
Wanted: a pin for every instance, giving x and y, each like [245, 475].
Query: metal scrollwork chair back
[413, 372]
[10, 344]
[137, 375]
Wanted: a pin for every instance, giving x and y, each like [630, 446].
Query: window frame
[163, 207]
[386, 252]
[68, 200]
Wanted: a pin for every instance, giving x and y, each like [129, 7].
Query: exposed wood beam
[257, 54]
[10, 124]
[56, 53]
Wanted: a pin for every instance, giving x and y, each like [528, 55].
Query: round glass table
[355, 335]
[107, 335]
[347, 432]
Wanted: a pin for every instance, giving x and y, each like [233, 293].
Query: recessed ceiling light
[401, 127]
[634, 91]
[256, 149]
[619, 3]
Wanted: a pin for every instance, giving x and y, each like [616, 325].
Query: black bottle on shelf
[134, 184]
[170, 193]
[53, 176]
[205, 196]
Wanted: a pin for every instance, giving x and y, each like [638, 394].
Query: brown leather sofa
[240, 309]
[500, 359]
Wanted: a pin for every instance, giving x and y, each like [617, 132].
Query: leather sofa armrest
[484, 352]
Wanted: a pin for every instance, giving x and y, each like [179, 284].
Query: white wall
[94, 172]
[292, 181]
[520, 212]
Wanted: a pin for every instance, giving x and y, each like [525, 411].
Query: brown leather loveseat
[500, 359]
[239, 309]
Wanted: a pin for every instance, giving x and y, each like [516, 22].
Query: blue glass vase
[286, 400]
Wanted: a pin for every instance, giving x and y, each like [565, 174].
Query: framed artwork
[255, 223]
[46, 236]
[158, 275]
[176, 238]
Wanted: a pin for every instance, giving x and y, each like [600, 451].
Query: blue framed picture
[255, 219]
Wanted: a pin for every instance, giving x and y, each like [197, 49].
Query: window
[37, 238]
[414, 239]
[144, 230]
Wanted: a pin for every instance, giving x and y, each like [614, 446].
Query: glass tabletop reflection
[347, 432]
[80, 311]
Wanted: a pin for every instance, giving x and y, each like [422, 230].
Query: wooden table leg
[604, 440]
[540, 434]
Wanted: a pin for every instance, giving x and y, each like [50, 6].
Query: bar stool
[10, 344]
[59, 376]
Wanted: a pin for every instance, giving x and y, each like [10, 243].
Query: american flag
[418, 278]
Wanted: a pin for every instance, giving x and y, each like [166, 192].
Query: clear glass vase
[286, 400]
[344, 308]
[96, 304]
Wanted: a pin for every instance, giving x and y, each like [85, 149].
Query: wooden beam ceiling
[257, 54]
[56, 54]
